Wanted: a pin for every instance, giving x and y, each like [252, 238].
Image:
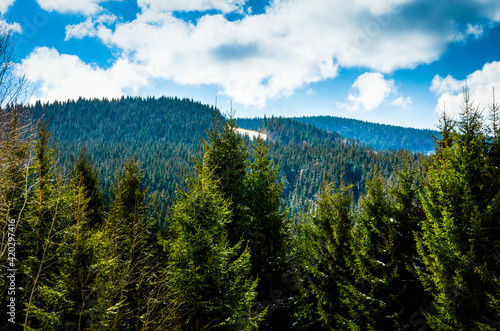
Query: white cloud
[225, 6]
[475, 30]
[480, 83]
[12, 27]
[90, 27]
[294, 43]
[402, 102]
[85, 7]
[369, 91]
[5, 4]
[66, 76]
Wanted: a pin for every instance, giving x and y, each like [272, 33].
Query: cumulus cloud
[90, 27]
[85, 7]
[402, 102]
[66, 76]
[369, 91]
[12, 27]
[292, 44]
[481, 83]
[4, 5]
[225, 6]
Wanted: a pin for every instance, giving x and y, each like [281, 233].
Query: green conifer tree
[42, 232]
[226, 153]
[15, 166]
[130, 226]
[386, 292]
[459, 242]
[374, 263]
[323, 244]
[269, 237]
[83, 171]
[213, 275]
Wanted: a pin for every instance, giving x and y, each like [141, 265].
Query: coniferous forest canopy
[157, 214]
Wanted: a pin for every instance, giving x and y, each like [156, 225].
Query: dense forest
[378, 136]
[162, 133]
[307, 230]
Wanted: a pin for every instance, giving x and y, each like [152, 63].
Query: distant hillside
[160, 133]
[379, 136]
[309, 157]
[163, 133]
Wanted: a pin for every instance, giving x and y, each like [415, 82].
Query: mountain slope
[163, 133]
[379, 136]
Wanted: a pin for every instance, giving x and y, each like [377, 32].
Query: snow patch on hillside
[251, 133]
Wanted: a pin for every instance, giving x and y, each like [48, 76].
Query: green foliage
[14, 170]
[162, 133]
[268, 234]
[42, 230]
[323, 253]
[212, 273]
[459, 240]
[309, 156]
[84, 172]
[378, 136]
[226, 154]
[221, 258]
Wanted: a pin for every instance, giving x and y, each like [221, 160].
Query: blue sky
[387, 61]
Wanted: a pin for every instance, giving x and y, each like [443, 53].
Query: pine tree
[42, 232]
[374, 263]
[129, 226]
[213, 275]
[459, 239]
[407, 217]
[227, 154]
[268, 236]
[385, 292]
[83, 171]
[323, 244]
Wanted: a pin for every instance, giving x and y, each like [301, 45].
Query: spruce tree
[42, 231]
[227, 155]
[269, 238]
[129, 226]
[83, 171]
[323, 244]
[459, 242]
[15, 166]
[386, 292]
[213, 275]
[374, 261]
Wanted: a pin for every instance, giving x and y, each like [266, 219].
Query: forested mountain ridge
[229, 254]
[161, 134]
[378, 136]
[309, 157]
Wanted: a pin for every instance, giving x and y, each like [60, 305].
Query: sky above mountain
[389, 61]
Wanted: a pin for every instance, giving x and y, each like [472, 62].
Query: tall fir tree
[84, 172]
[15, 166]
[227, 155]
[459, 242]
[213, 275]
[374, 262]
[268, 233]
[386, 292]
[323, 244]
[42, 231]
[129, 225]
